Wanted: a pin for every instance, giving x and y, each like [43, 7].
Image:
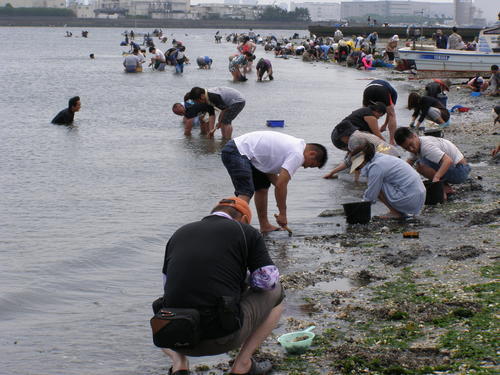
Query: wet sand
[384, 304]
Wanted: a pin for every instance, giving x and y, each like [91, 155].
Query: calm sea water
[85, 211]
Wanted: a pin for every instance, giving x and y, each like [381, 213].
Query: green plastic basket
[288, 340]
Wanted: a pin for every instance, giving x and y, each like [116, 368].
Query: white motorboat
[455, 62]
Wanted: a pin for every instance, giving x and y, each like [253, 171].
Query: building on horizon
[320, 11]
[34, 3]
[389, 8]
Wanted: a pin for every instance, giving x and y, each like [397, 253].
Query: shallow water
[86, 210]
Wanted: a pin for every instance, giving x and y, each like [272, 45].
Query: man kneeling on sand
[436, 158]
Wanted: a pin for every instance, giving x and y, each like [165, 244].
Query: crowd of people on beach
[221, 287]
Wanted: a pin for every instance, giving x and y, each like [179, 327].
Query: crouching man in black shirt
[66, 116]
[205, 268]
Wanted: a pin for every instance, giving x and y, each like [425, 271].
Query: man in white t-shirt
[158, 60]
[258, 159]
[437, 158]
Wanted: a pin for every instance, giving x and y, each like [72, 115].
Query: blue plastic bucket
[475, 93]
[275, 123]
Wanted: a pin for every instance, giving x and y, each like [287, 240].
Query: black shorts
[376, 93]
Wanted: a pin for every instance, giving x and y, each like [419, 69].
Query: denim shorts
[456, 174]
[245, 177]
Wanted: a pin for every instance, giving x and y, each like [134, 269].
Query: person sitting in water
[228, 100]
[237, 64]
[258, 159]
[382, 91]
[220, 266]
[133, 63]
[195, 114]
[436, 158]
[346, 136]
[204, 62]
[264, 66]
[391, 180]
[158, 60]
[67, 115]
[366, 118]
[427, 107]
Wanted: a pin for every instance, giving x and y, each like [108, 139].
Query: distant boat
[454, 63]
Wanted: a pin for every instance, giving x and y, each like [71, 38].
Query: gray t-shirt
[229, 96]
[434, 148]
[131, 60]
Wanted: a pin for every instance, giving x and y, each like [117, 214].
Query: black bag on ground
[176, 328]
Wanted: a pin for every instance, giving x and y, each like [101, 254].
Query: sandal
[178, 372]
[257, 368]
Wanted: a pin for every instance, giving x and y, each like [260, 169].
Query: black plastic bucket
[434, 133]
[358, 212]
[435, 193]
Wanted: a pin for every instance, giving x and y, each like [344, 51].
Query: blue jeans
[456, 174]
[245, 177]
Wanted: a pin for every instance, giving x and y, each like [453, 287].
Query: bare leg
[242, 363]
[391, 123]
[226, 130]
[179, 361]
[261, 205]
[392, 212]
[204, 127]
[236, 75]
[426, 171]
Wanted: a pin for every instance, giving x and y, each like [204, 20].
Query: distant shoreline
[147, 23]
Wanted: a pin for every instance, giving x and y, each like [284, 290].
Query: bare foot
[269, 228]
[390, 215]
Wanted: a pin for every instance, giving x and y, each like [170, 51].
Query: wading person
[258, 159]
[204, 62]
[158, 59]
[436, 158]
[237, 66]
[133, 63]
[381, 91]
[205, 268]
[391, 180]
[427, 107]
[264, 66]
[228, 100]
[67, 115]
[194, 114]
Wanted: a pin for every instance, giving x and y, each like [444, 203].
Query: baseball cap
[238, 204]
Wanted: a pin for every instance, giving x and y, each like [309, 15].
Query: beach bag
[176, 328]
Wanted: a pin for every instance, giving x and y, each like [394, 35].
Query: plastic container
[291, 343]
[275, 123]
[435, 193]
[358, 212]
[434, 133]
[475, 93]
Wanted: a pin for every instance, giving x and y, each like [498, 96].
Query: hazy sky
[490, 8]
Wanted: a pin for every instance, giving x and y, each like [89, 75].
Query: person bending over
[264, 66]
[436, 158]
[158, 59]
[228, 100]
[237, 66]
[427, 107]
[204, 62]
[67, 115]
[205, 268]
[194, 114]
[391, 180]
[381, 91]
[346, 136]
[366, 118]
[258, 159]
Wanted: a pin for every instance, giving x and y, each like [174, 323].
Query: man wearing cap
[205, 268]
[258, 159]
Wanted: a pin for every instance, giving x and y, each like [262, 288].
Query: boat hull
[450, 61]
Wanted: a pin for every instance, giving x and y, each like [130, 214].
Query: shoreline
[147, 23]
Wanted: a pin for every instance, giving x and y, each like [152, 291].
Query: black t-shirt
[425, 103]
[65, 117]
[208, 259]
[197, 109]
[357, 119]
